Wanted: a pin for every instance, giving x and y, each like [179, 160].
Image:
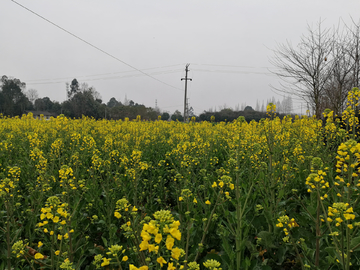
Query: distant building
[42, 114]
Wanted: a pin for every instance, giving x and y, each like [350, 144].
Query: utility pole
[185, 99]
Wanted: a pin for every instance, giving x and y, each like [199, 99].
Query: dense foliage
[90, 194]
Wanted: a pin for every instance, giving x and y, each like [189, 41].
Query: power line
[217, 65]
[106, 78]
[235, 72]
[95, 47]
[101, 74]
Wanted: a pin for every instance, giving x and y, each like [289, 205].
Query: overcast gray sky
[227, 43]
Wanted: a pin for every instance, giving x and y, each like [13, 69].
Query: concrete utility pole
[185, 99]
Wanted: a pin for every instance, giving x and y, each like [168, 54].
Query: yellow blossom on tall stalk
[159, 236]
[349, 115]
[287, 224]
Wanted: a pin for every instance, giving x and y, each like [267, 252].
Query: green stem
[318, 232]
[8, 242]
[207, 226]
[187, 244]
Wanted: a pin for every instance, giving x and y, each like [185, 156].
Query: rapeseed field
[87, 194]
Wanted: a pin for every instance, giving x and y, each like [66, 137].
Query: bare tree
[32, 95]
[354, 40]
[304, 70]
[339, 81]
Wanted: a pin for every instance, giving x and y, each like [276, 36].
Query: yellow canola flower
[152, 248]
[175, 253]
[151, 228]
[105, 262]
[144, 245]
[349, 216]
[158, 238]
[56, 219]
[117, 214]
[161, 261]
[145, 236]
[208, 202]
[57, 252]
[175, 233]
[169, 242]
[38, 256]
[132, 267]
[171, 266]
[339, 220]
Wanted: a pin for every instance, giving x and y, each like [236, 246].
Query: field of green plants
[87, 194]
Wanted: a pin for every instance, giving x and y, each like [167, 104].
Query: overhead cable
[95, 47]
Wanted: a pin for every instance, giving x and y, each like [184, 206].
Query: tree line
[83, 99]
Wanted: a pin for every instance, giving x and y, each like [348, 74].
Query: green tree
[165, 116]
[113, 103]
[85, 101]
[74, 88]
[177, 116]
[12, 99]
[43, 104]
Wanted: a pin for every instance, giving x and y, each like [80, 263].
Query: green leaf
[105, 241]
[267, 239]
[355, 243]
[228, 249]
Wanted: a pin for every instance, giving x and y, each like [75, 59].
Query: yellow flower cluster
[341, 212]
[161, 231]
[286, 223]
[348, 157]
[271, 108]
[187, 195]
[55, 216]
[225, 180]
[123, 205]
[349, 115]
[317, 181]
[8, 184]
[212, 264]
[115, 251]
[68, 180]
[18, 248]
